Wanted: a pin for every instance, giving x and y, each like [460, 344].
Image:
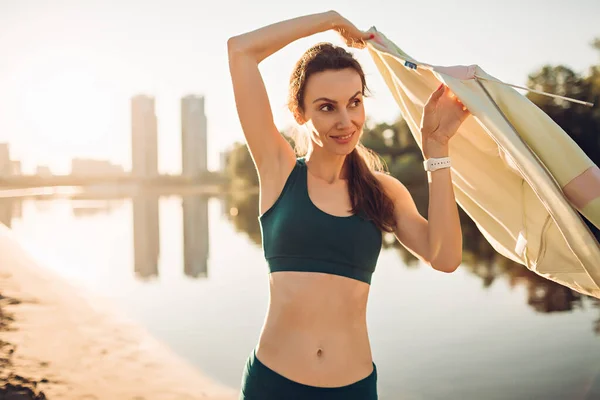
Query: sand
[57, 342]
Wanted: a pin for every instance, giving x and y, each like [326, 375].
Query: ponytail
[367, 195]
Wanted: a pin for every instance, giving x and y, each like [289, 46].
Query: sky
[69, 68]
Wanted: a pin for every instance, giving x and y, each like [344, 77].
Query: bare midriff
[315, 331]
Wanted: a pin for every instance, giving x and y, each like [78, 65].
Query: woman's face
[333, 110]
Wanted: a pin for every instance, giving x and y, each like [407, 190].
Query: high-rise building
[15, 167]
[5, 164]
[193, 136]
[144, 137]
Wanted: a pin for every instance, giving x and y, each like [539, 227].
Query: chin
[342, 150]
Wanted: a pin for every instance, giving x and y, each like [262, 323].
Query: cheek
[322, 123]
[360, 116]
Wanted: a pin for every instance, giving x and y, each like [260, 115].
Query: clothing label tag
[521, 244]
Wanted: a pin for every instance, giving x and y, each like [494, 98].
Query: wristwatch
[433, 164]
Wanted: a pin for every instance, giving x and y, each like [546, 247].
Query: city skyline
[144, 144]
[65, 91]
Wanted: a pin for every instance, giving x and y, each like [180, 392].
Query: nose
[344, 121]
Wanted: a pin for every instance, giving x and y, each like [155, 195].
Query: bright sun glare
[65, 103]
[68, 109]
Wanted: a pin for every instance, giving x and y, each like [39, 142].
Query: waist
[315, 331]
[334, 359]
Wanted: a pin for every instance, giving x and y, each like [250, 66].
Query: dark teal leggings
[259, 382]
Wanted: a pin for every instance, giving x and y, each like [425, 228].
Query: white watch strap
[433, 164]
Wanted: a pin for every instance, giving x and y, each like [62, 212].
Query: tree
[240, 166]
[582, 123]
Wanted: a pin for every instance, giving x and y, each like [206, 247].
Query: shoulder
[405, 208]
[392, 186]
[385, 178]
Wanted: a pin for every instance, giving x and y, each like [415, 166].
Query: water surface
[191, 270]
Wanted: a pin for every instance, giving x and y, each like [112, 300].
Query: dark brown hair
[367, 195]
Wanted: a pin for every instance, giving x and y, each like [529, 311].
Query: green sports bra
[298, 236]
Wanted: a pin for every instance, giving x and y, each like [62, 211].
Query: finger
[357, 40]
[452, 95]
[455, 98]
[358, 43]
[439, 91]
[435, 96]
[461, 104]
[464, 114]
[352, 42]
[357, 34]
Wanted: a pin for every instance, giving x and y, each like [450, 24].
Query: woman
[322, 215]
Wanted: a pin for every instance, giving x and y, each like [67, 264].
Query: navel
[319, 353]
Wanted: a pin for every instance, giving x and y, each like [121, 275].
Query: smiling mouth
[343, 137]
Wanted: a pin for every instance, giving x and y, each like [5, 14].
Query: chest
[332, 199]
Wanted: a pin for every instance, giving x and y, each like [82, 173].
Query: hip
[260, 381]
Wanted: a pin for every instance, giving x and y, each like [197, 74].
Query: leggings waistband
[261, 382]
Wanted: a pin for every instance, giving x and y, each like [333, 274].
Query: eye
[326, 107]
[356, 102]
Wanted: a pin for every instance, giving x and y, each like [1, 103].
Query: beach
[59, 342]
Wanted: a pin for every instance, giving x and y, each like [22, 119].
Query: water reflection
[10, 208]
[91, 207]
[146, 235]
[146, 238]
[479, 257]
[195, 235]
[242, 210]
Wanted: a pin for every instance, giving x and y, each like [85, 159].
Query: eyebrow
[333, 101]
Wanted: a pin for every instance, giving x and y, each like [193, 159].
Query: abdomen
[315, 332]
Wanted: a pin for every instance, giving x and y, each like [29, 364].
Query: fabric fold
[516, 173]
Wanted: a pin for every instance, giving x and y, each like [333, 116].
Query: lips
[342, 139]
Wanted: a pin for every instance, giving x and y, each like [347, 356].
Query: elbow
[238, 49]
[239, 46]
[234, 45]
[447, 265]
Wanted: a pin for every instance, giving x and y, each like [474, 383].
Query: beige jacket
[516, 173]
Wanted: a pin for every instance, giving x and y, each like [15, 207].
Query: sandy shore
[57, 342]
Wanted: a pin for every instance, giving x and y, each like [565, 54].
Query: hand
[352, 36]
[442, 116]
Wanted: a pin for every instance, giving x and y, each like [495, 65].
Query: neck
[326, 166]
